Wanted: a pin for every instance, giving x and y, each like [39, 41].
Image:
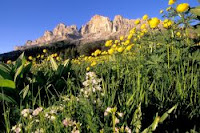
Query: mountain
[98, 28]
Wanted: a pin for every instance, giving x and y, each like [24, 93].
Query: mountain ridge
[97, 28]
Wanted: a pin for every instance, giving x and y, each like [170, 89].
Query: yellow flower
[30, 58]
[104, 53]
[97, 52]
[111, 51]
[178, 34]
[154, 22]
[120, 49]
[55, 55]
[108, 43]
[143, 26]
[130, 36]
[116, 41]
[167, 23]
[171, 2]
[161, 11]
[137, 22]
[182, 7]
[121, 38]
[44, 50]
[128, 48]
[38, 56]
[88, 69]
[127, 42]
[145, 17]
[9, 62]
[93, 63]
[132, 31]
[58, 58]
[42, 56]
[114, 45]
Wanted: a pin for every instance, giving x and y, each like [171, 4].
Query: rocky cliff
[98, 28]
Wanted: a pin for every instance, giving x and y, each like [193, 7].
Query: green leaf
[5, 72]
[166, 114]
[4, 97]
[53, 64]
[7, 83]
[18, 72]
[25, 91]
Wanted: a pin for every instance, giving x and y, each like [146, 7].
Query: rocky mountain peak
[98, 28]
[97, 24]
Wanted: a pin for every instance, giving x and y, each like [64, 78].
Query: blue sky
[22, 20]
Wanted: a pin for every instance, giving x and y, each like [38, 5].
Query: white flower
[67, 122]
[120, 114]
[52, 118]
[127, 129]
[17, 128]
[86, 83]
[109, 109]
[37, 111]
[53, 111]
[105, 113]
[25, 112]
[116, 120]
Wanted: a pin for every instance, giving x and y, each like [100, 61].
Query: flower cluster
[17, 128]
[91, 84]
[67, 122]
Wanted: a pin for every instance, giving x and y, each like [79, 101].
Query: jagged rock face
[98, 24]
[122, 24]
[98, 28]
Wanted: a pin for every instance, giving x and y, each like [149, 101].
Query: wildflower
[137, 22]
[93, 63]
[130, 36]
[145, 17]
[67, 122]
[116, 120]
[44, 50]
[161, 11]
[178, 34]
[120, 49]
[111, 51]
[25, 112]
[107, 111]
[120, 114]
[143, 26]
[9, 62]
[88, 69]
[97, 52]
[154, 22]
[116, 130]
[41, 130]
[127, 42]
[128, 48]
[52, 118]
[167, 23]
[30, 58]
[182, 7]
[37, 111]
[17, 128]
[58, 58]
[116, 41]
[108, 43]
[171, 2]
[42, 56]
[127, 129]
[121, 38]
